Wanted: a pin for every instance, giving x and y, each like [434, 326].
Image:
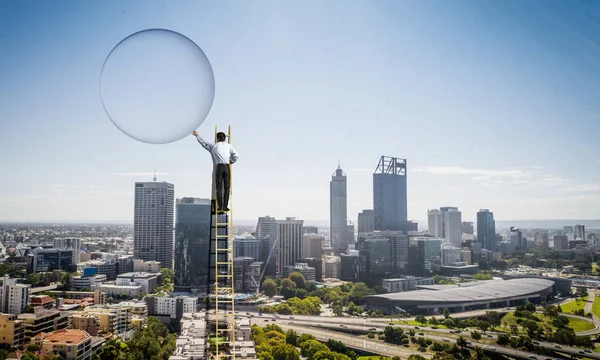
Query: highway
[36, 290]
[328, 327]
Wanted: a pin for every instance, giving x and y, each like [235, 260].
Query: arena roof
[486, 291]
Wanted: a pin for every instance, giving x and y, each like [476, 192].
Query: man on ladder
[223, 155]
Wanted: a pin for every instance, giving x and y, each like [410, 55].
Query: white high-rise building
[153, 222]
[450, 255]
[452, 225]
[289, 245]
[14, 296]
[435, 221]
[446, 223]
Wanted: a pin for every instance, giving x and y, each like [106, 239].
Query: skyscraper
[192, 239]
[153, 222]
[429, 254]
[389, 194]
[366, 221]
[486, 230]
[266, 232]
[435, 221]
[452, 225]
[341, 235]
[312, 246]
[289, 244]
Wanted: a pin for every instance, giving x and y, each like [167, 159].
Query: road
[588, 309]
[330, 326]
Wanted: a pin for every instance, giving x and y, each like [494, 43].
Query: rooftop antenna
[338, 164]
[154, 174]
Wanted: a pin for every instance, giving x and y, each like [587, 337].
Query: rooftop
[478, 291]
[67, 336]
[143, 275]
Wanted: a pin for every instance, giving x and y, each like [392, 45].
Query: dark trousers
[223, 183]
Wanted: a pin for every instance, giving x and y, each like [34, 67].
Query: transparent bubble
[157, 86]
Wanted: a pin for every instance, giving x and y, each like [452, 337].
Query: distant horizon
[550, 223]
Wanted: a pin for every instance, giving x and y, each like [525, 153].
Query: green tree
[269, 287]
[476, 335]
[298, 279]
[493, 318]
[446, 313]
[66, 281]
[503, 339]
[291, 337]
[285, 352]
[461, 341]
[309, 348]
[29, 356]
[414, 357]
[32, 348]
[337, 310]
[354, 309]
[421, 319]
[449, 323]
[581, 292]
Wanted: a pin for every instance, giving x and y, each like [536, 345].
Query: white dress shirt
[222, 152]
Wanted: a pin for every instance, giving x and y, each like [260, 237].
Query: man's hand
[195, 133]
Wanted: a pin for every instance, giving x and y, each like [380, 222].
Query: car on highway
[445, 339]
[532, 357]
[587, 350]
[558, 346]
[372, 329]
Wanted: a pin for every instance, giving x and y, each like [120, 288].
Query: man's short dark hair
[221, 136]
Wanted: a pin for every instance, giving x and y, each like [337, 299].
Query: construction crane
[256, 284]
[222, 259]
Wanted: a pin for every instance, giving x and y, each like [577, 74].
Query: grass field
[577, 324]
[574, 305]
[596, 306]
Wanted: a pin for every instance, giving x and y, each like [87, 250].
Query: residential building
[70, 344]
[14, 296]
[42, 320]
[390, 195]
[12, 331]
[153, 222]
[89, 323]
[191, 342]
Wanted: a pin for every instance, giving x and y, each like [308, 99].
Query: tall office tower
[435, 220]
[312, 246]
[429, 254]
[69, 244]
[311, 230]
[153, 222]
[486, 230]
[13, 296]
[389, 194]
[247, 246]
[452, 225]
[192, 241]
[266, 232]
[338, 211]
[366, 221]
[467, 227]
[579, 231]
[289, 233]
[383, 254]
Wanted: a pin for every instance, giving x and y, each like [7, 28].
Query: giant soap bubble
[157, 86]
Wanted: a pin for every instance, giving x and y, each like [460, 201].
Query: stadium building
[466, 296]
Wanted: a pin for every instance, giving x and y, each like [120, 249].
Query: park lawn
[596, 306]
[414, 323]
[577, 325]
[212, 340]
[572, 306]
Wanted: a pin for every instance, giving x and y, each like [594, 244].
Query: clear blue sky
[495, 104]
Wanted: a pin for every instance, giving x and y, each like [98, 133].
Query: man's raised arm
[208, 146]
[233, 155]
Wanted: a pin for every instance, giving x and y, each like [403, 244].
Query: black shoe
[220, 209]
[226, 209]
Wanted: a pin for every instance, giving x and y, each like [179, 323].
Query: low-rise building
[42, 320]
[146, 266]
[407, 283]
[129, 291]
[191, 343]
[148, 281]
[88, 282]
[70, 344]
[12, 331]
[302, 268]
[86, 322]
[45, 301]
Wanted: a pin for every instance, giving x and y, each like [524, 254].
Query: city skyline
[483, 95]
